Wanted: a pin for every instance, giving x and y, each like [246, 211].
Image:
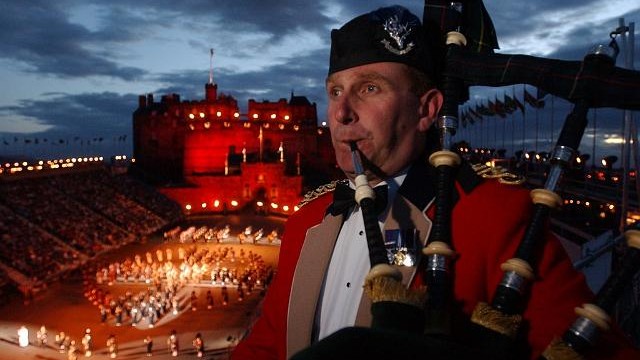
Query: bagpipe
[412, 324]
[593, 82]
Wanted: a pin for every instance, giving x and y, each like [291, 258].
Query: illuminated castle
[219, 159]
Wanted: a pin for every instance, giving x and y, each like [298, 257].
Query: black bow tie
[344, 198]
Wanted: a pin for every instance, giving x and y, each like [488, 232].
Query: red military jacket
[488, 220]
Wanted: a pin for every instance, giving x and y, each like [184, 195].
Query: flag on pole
[499, 108]
[483, 110]
[532, 100]
[518, 104]
[474, 114]
[463, 118]
[509, 104]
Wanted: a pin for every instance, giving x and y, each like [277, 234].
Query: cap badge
[399, 33]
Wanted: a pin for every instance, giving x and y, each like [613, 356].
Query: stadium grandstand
[54, 221]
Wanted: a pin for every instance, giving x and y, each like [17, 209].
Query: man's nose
[345, 113]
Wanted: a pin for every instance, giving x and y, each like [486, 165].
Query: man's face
[373, 106]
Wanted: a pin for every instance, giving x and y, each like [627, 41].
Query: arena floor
[63, 307]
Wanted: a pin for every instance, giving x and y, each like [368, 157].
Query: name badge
[402, 246]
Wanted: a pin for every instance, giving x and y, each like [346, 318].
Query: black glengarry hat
[389, 34]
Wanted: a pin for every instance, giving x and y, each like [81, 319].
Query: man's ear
[430, 104]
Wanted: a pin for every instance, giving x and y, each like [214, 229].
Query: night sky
[71, 71]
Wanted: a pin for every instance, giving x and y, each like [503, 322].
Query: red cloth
[487, 225]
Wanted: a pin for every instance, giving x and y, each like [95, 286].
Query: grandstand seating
[57, 221]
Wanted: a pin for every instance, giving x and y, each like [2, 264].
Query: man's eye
[371, 88]
[335, 92]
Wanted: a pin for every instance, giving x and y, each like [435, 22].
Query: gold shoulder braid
[498, 172]
[317, 192]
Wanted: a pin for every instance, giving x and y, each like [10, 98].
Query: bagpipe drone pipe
[594, 317]
[466, 35]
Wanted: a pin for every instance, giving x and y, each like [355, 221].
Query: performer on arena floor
[112, 346]
[198, 345]
[148, 341]
[173, 344]
[87, 343]
[382, 97]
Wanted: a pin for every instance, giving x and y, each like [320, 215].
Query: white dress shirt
[348, 268]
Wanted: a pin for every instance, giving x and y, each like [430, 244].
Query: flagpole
[537, 128]
[495, 133]
[486, 141]
[636, 156]
[504, 132]
[495, 127]
[513, 124]
[629, 44]
[463, 131]
[513, 137]
[482, 125]
[552, 122]
[524, 122]
[479, 133]
[211, 66]
[593, 147]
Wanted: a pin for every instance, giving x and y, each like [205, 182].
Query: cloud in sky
[10, 122]
[75, 68]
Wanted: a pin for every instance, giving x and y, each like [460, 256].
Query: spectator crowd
[53, 223]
